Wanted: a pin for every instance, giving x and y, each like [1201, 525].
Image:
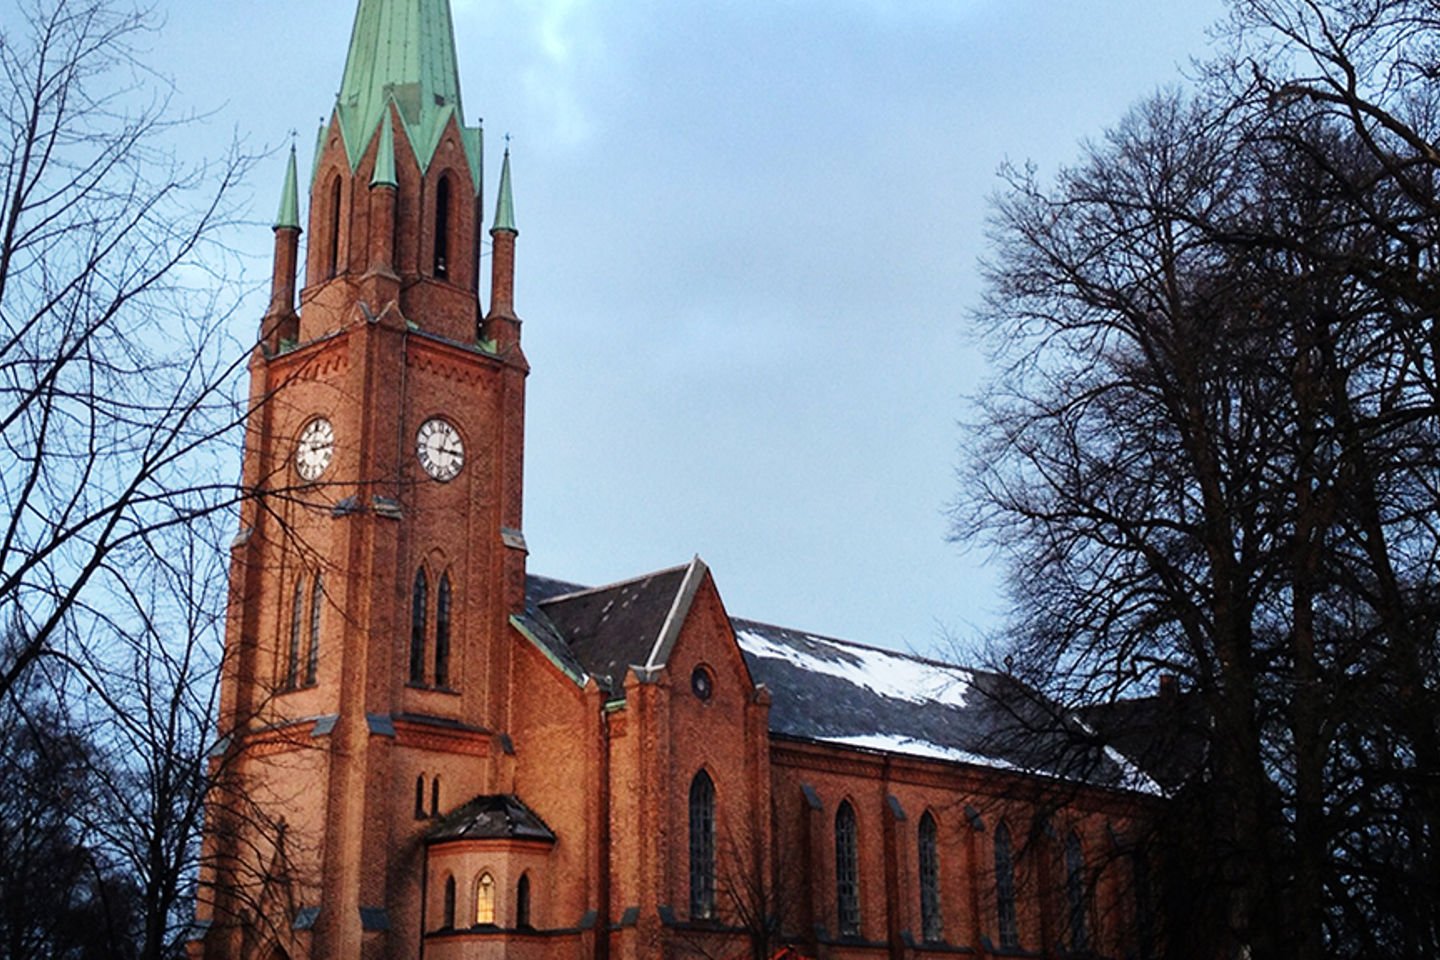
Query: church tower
[374, 576]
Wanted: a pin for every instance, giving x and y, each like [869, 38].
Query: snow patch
[890, 675]
[894, 743]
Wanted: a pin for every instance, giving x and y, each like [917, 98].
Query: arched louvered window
[1005, 889]
[420, 797]
[1075, 893]
[449, 910]
[435, 797]
[702, 847]
[332, 266]
[847, 871]
[297, 617]
[312, 659]
[930, 924]
[485, 900]
[442, 228]
[522, 902]
[419, 598]
[442, 632]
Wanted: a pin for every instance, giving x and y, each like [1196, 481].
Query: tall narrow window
[420, 797]
[847, 872]
[449, 912]
[522, 902]
[702, 847]
[435, 797]
[442, 228]
[418, 601]
[442, 632]
[930, 924]
[485, 900]
[1075, 893]
[297, 617]
[1005, 889]
[312, 658]
[333, 251]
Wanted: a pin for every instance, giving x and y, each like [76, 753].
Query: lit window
[702, 846]
[1005, 889]
[442, 632]
[312, 659]
[485, 900]
[1075, 893]
[930, 925]
[417, 628]
[847, 872]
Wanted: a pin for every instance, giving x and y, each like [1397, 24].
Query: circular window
[702, 683]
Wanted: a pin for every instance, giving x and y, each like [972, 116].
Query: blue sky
[749, 235]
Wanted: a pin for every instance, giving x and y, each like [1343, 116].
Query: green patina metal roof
[403, 51]
[289, 212]
[384, 175]
[505, 204]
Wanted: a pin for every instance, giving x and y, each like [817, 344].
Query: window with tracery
[847, 871]
[418, 600]
[1005, 889]
[485, 900]
[442, 632]
[702, 846]
[930, 924]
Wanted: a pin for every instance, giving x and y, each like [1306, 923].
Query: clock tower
[367, 663]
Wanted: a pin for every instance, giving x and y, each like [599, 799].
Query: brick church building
[432, 752]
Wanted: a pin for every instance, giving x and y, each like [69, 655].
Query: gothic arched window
[297, 615]
[930, 924]
[312, 659]
[1075, 893]
[847, 871]
[522, 902]
[332, 266]
[435, 797]
[485, 900]
[442, 228]
[442, 632]
[1005, 889]
[420, 797]
[448, 915]
[702, 847]
[418, 601]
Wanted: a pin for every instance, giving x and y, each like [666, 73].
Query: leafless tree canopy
[1210, 450]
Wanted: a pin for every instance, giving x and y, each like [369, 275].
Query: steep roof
[403, 52]
[500, 816]
[833, 691]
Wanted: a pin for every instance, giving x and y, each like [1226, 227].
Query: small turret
[281, 322]
[383, 190]
[502, 326]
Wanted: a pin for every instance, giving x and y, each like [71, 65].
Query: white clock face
[316, 450]
[439, 448]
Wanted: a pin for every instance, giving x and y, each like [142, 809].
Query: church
[432, 751]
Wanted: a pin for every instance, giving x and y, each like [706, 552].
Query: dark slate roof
[609, 629]
[833, 691]
[1165, 735]
[500, 816]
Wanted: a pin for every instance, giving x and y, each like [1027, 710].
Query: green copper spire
[505, 205]
[289, 214]
[384, 175]
[403, 51]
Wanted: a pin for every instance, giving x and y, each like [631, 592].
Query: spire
[505, 203]
[288, 217]
[384, 175]
[403, 51]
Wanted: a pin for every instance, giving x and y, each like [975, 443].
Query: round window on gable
[702, 683]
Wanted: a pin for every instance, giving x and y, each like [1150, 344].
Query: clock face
[439, 448]
[316, 449]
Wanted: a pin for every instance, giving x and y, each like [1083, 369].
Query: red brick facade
[354, 735]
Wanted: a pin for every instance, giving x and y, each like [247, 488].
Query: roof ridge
[860, 646]
[608, 586]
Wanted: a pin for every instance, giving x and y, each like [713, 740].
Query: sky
[748, 256]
